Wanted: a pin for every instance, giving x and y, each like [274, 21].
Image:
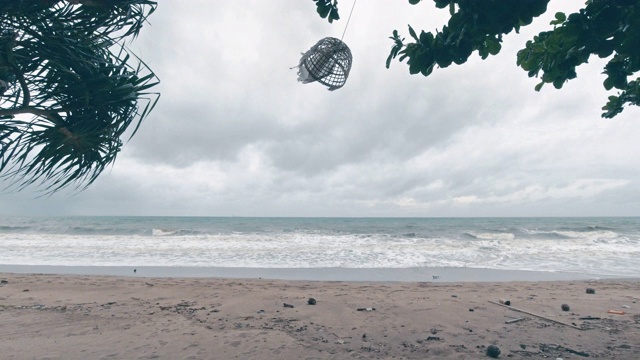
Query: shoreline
[435, 274]
[124, 317]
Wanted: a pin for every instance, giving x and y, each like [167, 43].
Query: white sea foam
[369, 243]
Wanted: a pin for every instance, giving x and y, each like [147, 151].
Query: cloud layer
[236, 134]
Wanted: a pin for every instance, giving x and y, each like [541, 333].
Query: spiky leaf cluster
[69, 88]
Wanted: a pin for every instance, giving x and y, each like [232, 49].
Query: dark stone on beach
[591, 291]
[135, 270]
[288, 305]
[565, 307]
[471, 309]
[493, 351]
[3, 282]
[311, 301]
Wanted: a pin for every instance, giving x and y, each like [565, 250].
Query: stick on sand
[536, 315]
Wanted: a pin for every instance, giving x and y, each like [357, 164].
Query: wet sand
[114, 317]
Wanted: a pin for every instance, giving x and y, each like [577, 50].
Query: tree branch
[51, 115]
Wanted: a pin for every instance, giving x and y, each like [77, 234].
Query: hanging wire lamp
[327, 62]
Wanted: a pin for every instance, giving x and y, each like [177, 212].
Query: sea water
[603, 246]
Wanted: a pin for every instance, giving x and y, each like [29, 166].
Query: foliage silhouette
[68, 89]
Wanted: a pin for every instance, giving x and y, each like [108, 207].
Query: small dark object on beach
[493, 351]
[431, 338]
[513, 320]
[134, 270]
[3, 282]
[589, 318]
[471, 309]
[288, 305]
[505, 302]
[565, 307]
[366, 309]
[591, 291]
[311, 301]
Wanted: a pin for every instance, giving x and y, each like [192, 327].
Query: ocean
[599, 246]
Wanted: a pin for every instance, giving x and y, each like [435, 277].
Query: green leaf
[560, 18]
[413, 33]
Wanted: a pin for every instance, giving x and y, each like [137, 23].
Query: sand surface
[101, 317]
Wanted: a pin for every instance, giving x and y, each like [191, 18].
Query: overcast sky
[235, 134]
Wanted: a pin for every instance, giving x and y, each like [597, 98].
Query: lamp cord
[348, 19]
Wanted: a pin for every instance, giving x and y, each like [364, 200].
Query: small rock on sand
[493, 351]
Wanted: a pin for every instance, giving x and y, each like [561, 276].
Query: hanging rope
[348, 19]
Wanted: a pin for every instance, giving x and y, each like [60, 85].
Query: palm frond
[67, 67]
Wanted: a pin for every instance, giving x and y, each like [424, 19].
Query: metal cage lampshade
[327, 62]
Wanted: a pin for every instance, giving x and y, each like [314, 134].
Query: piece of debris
[565, 307]
[615, 312]
[589, 318]
[505, 302]
[513, 320]
[288, 305]
[471, 309]
[536, 315]
[493, 351]
[367, 309]
[311, 301]
[3, 282]
[545, 347]
[591, 291]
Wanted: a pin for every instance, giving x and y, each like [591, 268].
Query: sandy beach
[108, 317]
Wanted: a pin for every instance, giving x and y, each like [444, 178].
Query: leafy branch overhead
[69, 88]
[327, 9]
[604, 28]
